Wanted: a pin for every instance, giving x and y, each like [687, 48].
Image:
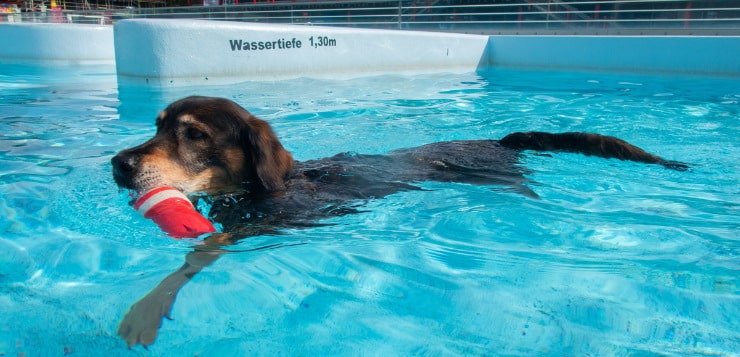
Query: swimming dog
[214, 149]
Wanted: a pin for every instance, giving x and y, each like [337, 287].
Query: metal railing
[714, 17]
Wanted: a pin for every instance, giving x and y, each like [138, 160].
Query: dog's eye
[194, 134]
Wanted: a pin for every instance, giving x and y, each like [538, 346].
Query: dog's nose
[125, 163]
[124, 166]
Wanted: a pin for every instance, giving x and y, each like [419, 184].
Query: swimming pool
[614, 258]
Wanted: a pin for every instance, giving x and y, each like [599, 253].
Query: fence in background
[619, 17]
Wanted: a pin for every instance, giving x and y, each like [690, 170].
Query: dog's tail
[587, 144]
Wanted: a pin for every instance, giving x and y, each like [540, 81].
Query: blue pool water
[615, 258]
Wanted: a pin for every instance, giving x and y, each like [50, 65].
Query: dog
[214, 149]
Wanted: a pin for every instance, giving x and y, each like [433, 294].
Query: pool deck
[159, 52]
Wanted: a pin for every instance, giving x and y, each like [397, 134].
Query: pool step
[176, 52]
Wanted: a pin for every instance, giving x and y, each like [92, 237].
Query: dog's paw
[143, 320]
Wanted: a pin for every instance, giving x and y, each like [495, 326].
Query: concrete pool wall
[172, 52]
[56, 43]
[160, 52]
[697, 55]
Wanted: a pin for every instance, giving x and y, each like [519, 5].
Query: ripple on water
[613, 258]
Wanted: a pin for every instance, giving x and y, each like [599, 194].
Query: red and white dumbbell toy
[171, 210]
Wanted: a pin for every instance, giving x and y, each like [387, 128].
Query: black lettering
[236, 45]
[279, 44]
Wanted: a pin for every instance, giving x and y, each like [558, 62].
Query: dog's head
[205, 144]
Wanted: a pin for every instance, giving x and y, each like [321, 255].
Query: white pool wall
[174, 52]
[696, 55]
[171, 52]
[57, 43]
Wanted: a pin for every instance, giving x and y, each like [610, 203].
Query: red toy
[171, 210]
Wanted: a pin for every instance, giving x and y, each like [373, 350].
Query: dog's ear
[271, 162]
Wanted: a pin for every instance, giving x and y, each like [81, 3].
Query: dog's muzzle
[125, 165]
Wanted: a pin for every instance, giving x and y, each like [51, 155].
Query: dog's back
[338, 185]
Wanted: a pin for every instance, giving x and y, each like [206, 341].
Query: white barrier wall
[716, 55]
[59, 43]
[176, 52]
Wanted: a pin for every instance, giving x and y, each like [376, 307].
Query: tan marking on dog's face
[189, 156]
[158, 169]
[234, 160]
[161, 116]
